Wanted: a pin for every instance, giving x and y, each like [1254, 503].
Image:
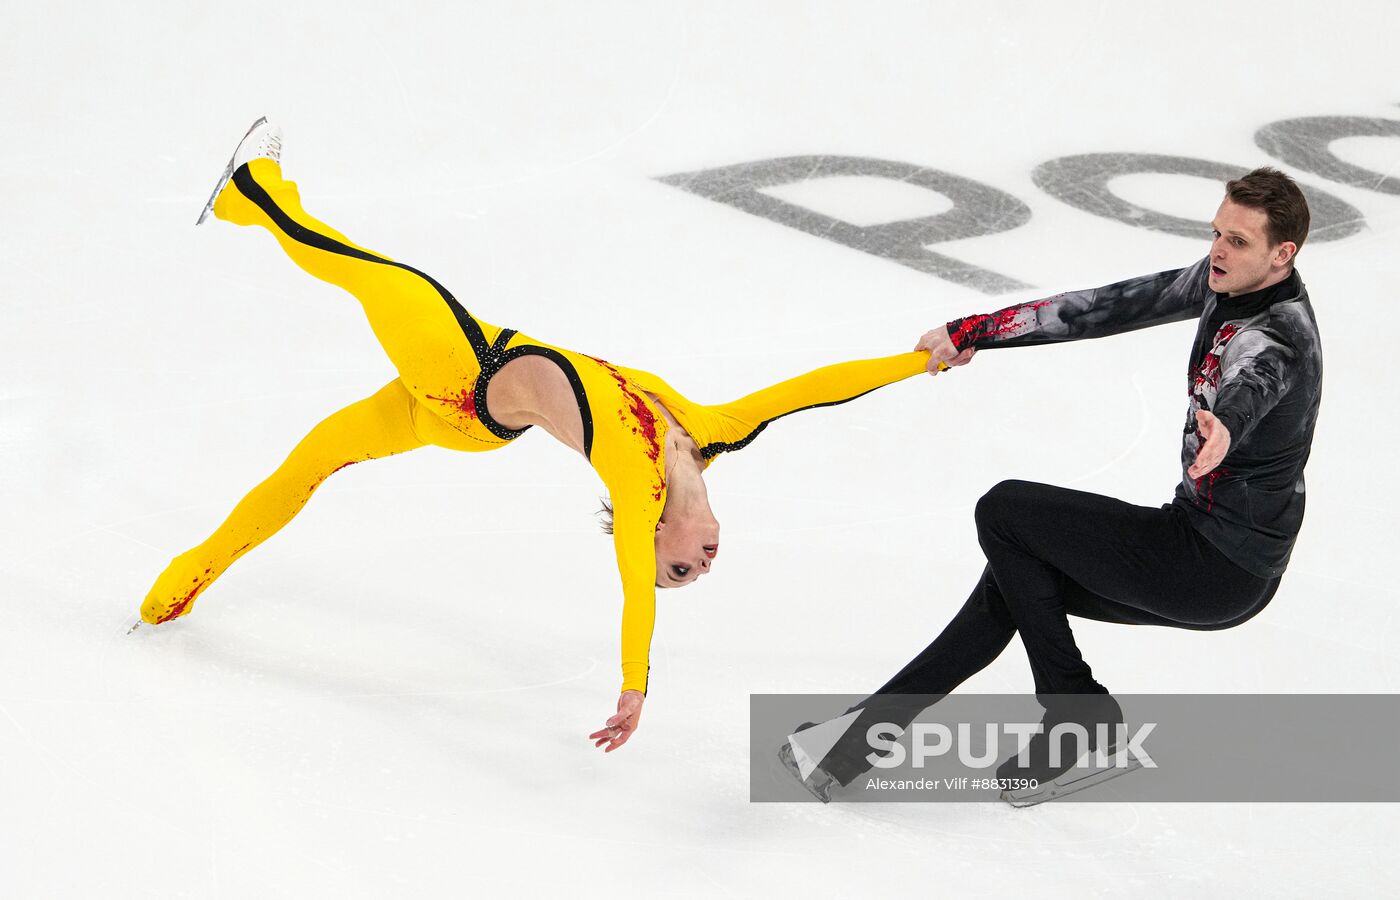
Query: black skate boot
[1076, 748]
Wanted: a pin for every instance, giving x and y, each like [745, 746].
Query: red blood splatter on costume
[997, 324]
[1203, 386]
[1210, 478]
[644, 419]
[312, 489]
[182, 606]
[641, 413]
[464, 401]
[1208, 372]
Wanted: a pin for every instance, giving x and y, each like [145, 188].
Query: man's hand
[942, 354]
[619, 728]
[1215, 443]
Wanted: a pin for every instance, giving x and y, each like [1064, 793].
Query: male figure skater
[1210, 559]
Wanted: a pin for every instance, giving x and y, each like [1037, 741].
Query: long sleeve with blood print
[1172, 296]
[1256, 364]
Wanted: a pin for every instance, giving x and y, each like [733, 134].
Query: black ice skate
[1081, 762]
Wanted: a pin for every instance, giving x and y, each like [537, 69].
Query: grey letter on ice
[978, 209]
[1083, 182]
[1307, 144]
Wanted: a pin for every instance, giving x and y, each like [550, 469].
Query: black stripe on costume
[580, 396]
[243, 179]
[710, 451]
[489, 357]
[490, 360]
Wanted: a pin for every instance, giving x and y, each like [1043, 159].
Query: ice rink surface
[391, 697]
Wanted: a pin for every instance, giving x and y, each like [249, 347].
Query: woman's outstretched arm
[635, 514]
[733, 425]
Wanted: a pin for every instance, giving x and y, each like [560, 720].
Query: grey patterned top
[1256, 363]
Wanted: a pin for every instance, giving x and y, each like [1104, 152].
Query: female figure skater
[467, 385]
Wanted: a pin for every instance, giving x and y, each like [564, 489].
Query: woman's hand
[943, 355]
[619, 728]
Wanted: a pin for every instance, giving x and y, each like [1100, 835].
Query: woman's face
[685, 550]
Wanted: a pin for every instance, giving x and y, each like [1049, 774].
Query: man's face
[1241, 257]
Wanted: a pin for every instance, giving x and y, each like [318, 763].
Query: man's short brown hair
[1268, 189]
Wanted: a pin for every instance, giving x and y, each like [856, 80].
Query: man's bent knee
[1007, 498]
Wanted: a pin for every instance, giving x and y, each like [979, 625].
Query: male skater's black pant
[1052, 552]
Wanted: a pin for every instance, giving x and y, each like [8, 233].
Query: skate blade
[817, 787]
[1071, 782]
[227, 173]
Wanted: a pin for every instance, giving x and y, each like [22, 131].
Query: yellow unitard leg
[377, 426]
[432, 342]
[435, 345]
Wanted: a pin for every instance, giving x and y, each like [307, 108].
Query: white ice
[391, 697]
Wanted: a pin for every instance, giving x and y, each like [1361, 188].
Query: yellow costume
[446, 358]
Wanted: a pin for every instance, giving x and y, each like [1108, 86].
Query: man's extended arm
[1141, 302]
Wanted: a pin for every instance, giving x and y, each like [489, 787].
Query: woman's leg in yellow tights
[380, 425]
[426, 333]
